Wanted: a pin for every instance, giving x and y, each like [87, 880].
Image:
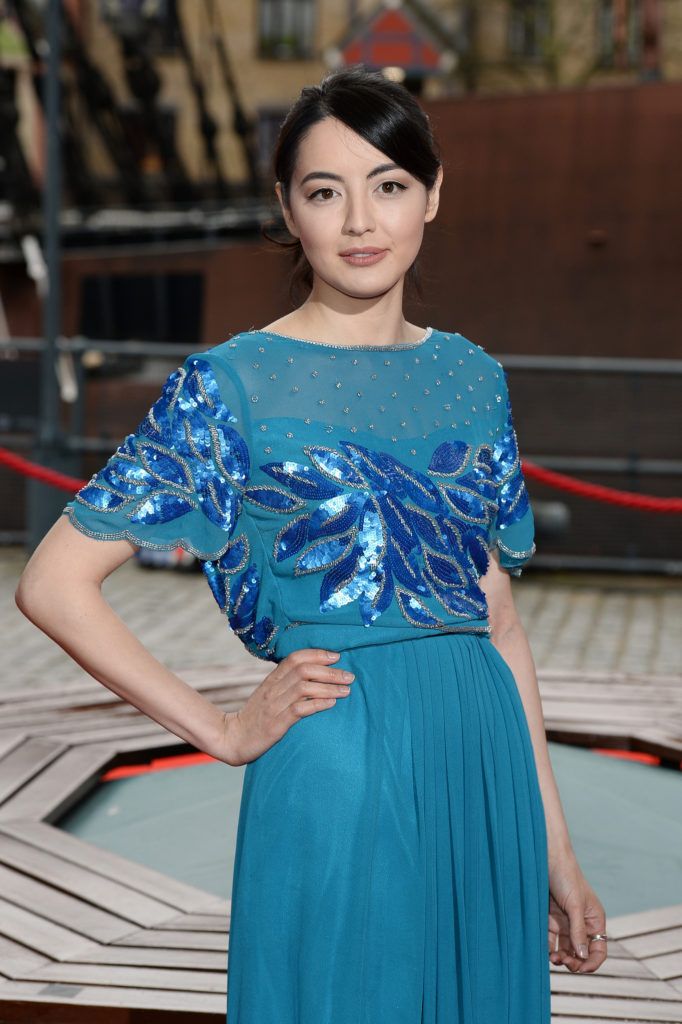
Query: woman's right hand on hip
[302, 684]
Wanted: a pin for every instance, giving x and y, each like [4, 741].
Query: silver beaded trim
[516, 554]
[513, 570]
[210, 404]
[139, 542]
[323, 344]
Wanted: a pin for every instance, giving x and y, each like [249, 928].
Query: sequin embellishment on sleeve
[184, 457]
[181, 480]
[513, 528]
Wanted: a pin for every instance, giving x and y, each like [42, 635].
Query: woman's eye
[399, 184]
[317, 192]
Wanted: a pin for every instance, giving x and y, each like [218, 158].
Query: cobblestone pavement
[574, 621]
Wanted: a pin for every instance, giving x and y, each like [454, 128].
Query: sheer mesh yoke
[326, 488]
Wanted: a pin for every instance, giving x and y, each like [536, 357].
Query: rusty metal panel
[560, 223]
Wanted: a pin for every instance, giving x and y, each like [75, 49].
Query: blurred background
[135, 174]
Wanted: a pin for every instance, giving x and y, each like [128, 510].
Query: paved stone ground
[593, 622]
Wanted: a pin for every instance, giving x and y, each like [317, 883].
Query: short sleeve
[178, 480]
[512, 530]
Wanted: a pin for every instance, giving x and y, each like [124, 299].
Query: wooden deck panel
[110, 996]
[124, 976]
[62, 908]
[18, 959]
[25, 761]
[128, 904]
[216, 942]
[156, 956]
[86, 935]
[179, 895]
[64, 780]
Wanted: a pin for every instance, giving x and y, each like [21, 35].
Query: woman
[352, 486]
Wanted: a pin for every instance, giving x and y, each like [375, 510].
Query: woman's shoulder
[227, 359]
[233, 346]
[469, 352]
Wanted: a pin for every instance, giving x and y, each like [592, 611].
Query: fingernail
[582, 950]
[332, 654]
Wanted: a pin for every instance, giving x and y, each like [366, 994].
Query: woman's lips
[364, 259]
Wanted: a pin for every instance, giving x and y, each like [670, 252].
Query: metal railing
[632, 463]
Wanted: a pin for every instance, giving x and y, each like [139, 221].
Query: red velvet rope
[598, 493]
[560, 481]
[32, 469]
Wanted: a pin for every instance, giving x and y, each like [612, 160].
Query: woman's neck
[314, 321]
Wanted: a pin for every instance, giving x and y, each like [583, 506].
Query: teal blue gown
[391, 859]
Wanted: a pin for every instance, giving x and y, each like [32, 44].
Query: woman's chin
[363, 284]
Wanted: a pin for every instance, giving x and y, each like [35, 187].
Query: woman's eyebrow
[337, 177]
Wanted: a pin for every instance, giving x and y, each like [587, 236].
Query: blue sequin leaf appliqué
[383, 530]
[512, 497]
[175, 464]
[237, 596]
[186, 457]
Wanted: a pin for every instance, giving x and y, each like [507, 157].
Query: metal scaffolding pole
[49, 405]
[44, 504]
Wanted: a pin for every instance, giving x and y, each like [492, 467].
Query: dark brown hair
[382, 112]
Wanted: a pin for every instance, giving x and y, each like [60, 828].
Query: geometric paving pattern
[87, 935]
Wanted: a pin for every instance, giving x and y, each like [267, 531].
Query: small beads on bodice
[391, 393]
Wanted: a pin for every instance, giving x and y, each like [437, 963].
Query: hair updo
[382, 112]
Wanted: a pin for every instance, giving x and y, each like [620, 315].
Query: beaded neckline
[323, 344]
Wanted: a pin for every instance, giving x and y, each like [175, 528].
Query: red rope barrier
[596, 492]
[32, 469]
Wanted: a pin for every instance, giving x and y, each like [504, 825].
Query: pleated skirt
[391, 859]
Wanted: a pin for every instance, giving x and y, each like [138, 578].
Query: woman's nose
[359, 215]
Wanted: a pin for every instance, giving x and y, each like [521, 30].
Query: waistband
[342, 636]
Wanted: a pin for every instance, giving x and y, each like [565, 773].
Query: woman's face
[345, 195]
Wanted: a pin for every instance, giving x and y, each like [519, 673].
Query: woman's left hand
[575, 913]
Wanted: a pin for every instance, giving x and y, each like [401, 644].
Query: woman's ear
[433, 196]
[286, 213]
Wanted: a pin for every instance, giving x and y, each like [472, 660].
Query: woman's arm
[509, 637]
[60, 592]
[575, 911]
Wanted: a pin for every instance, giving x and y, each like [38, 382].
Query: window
[267, 129]
[529, 27]
[619, 33]
[155, 21]
[142, 307]
[286, 29]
